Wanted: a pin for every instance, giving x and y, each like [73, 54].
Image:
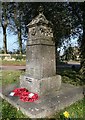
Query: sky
[12, 43]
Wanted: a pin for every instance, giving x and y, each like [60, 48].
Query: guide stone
[40, 76]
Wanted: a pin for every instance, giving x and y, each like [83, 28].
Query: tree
[68, 53]
[4, 23]
[54, 12]
[17, 15]
[79, 11]
[16, 24]
[66, 19]
[83, 44]
[57, 13]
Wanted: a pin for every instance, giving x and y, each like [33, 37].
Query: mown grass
[10, 76]
[10, 112]
[17, 63]
[68, 76]
[75, 111]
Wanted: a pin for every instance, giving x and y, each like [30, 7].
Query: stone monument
[40, 76]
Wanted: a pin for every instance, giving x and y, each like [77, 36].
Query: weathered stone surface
[40, 61]
[40, 19]
[41, 86]
[40, 76]
[46, 105]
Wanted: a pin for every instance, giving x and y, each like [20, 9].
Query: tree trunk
[56, 55]
[4, 23]
[4, 40]
[20, 41]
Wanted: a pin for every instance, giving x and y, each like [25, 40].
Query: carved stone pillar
[40, 76]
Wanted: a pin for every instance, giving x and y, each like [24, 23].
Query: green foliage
[60, 14]
[71, 76]
[64, 17]
[70, 53]
[82, 70]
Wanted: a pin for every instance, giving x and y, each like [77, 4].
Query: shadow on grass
[71, 76]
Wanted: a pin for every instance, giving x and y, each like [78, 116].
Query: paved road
[12, 67]
[69, 65]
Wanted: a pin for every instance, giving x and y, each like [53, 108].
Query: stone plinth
[42, 86]
[40, 75]
[47, 105]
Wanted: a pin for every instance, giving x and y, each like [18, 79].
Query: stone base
[42, 86]
[47, 105]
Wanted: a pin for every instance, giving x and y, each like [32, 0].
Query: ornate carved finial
[41, 9]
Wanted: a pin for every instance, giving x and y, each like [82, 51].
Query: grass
[11, 76]
[71, 76]
[17, 63]
[75, 111]
[10, 112]
[68, 76]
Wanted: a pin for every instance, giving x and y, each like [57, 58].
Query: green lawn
[69, 76]
[4, 62]
[76, 110]
[8, 111]
[10, 76]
